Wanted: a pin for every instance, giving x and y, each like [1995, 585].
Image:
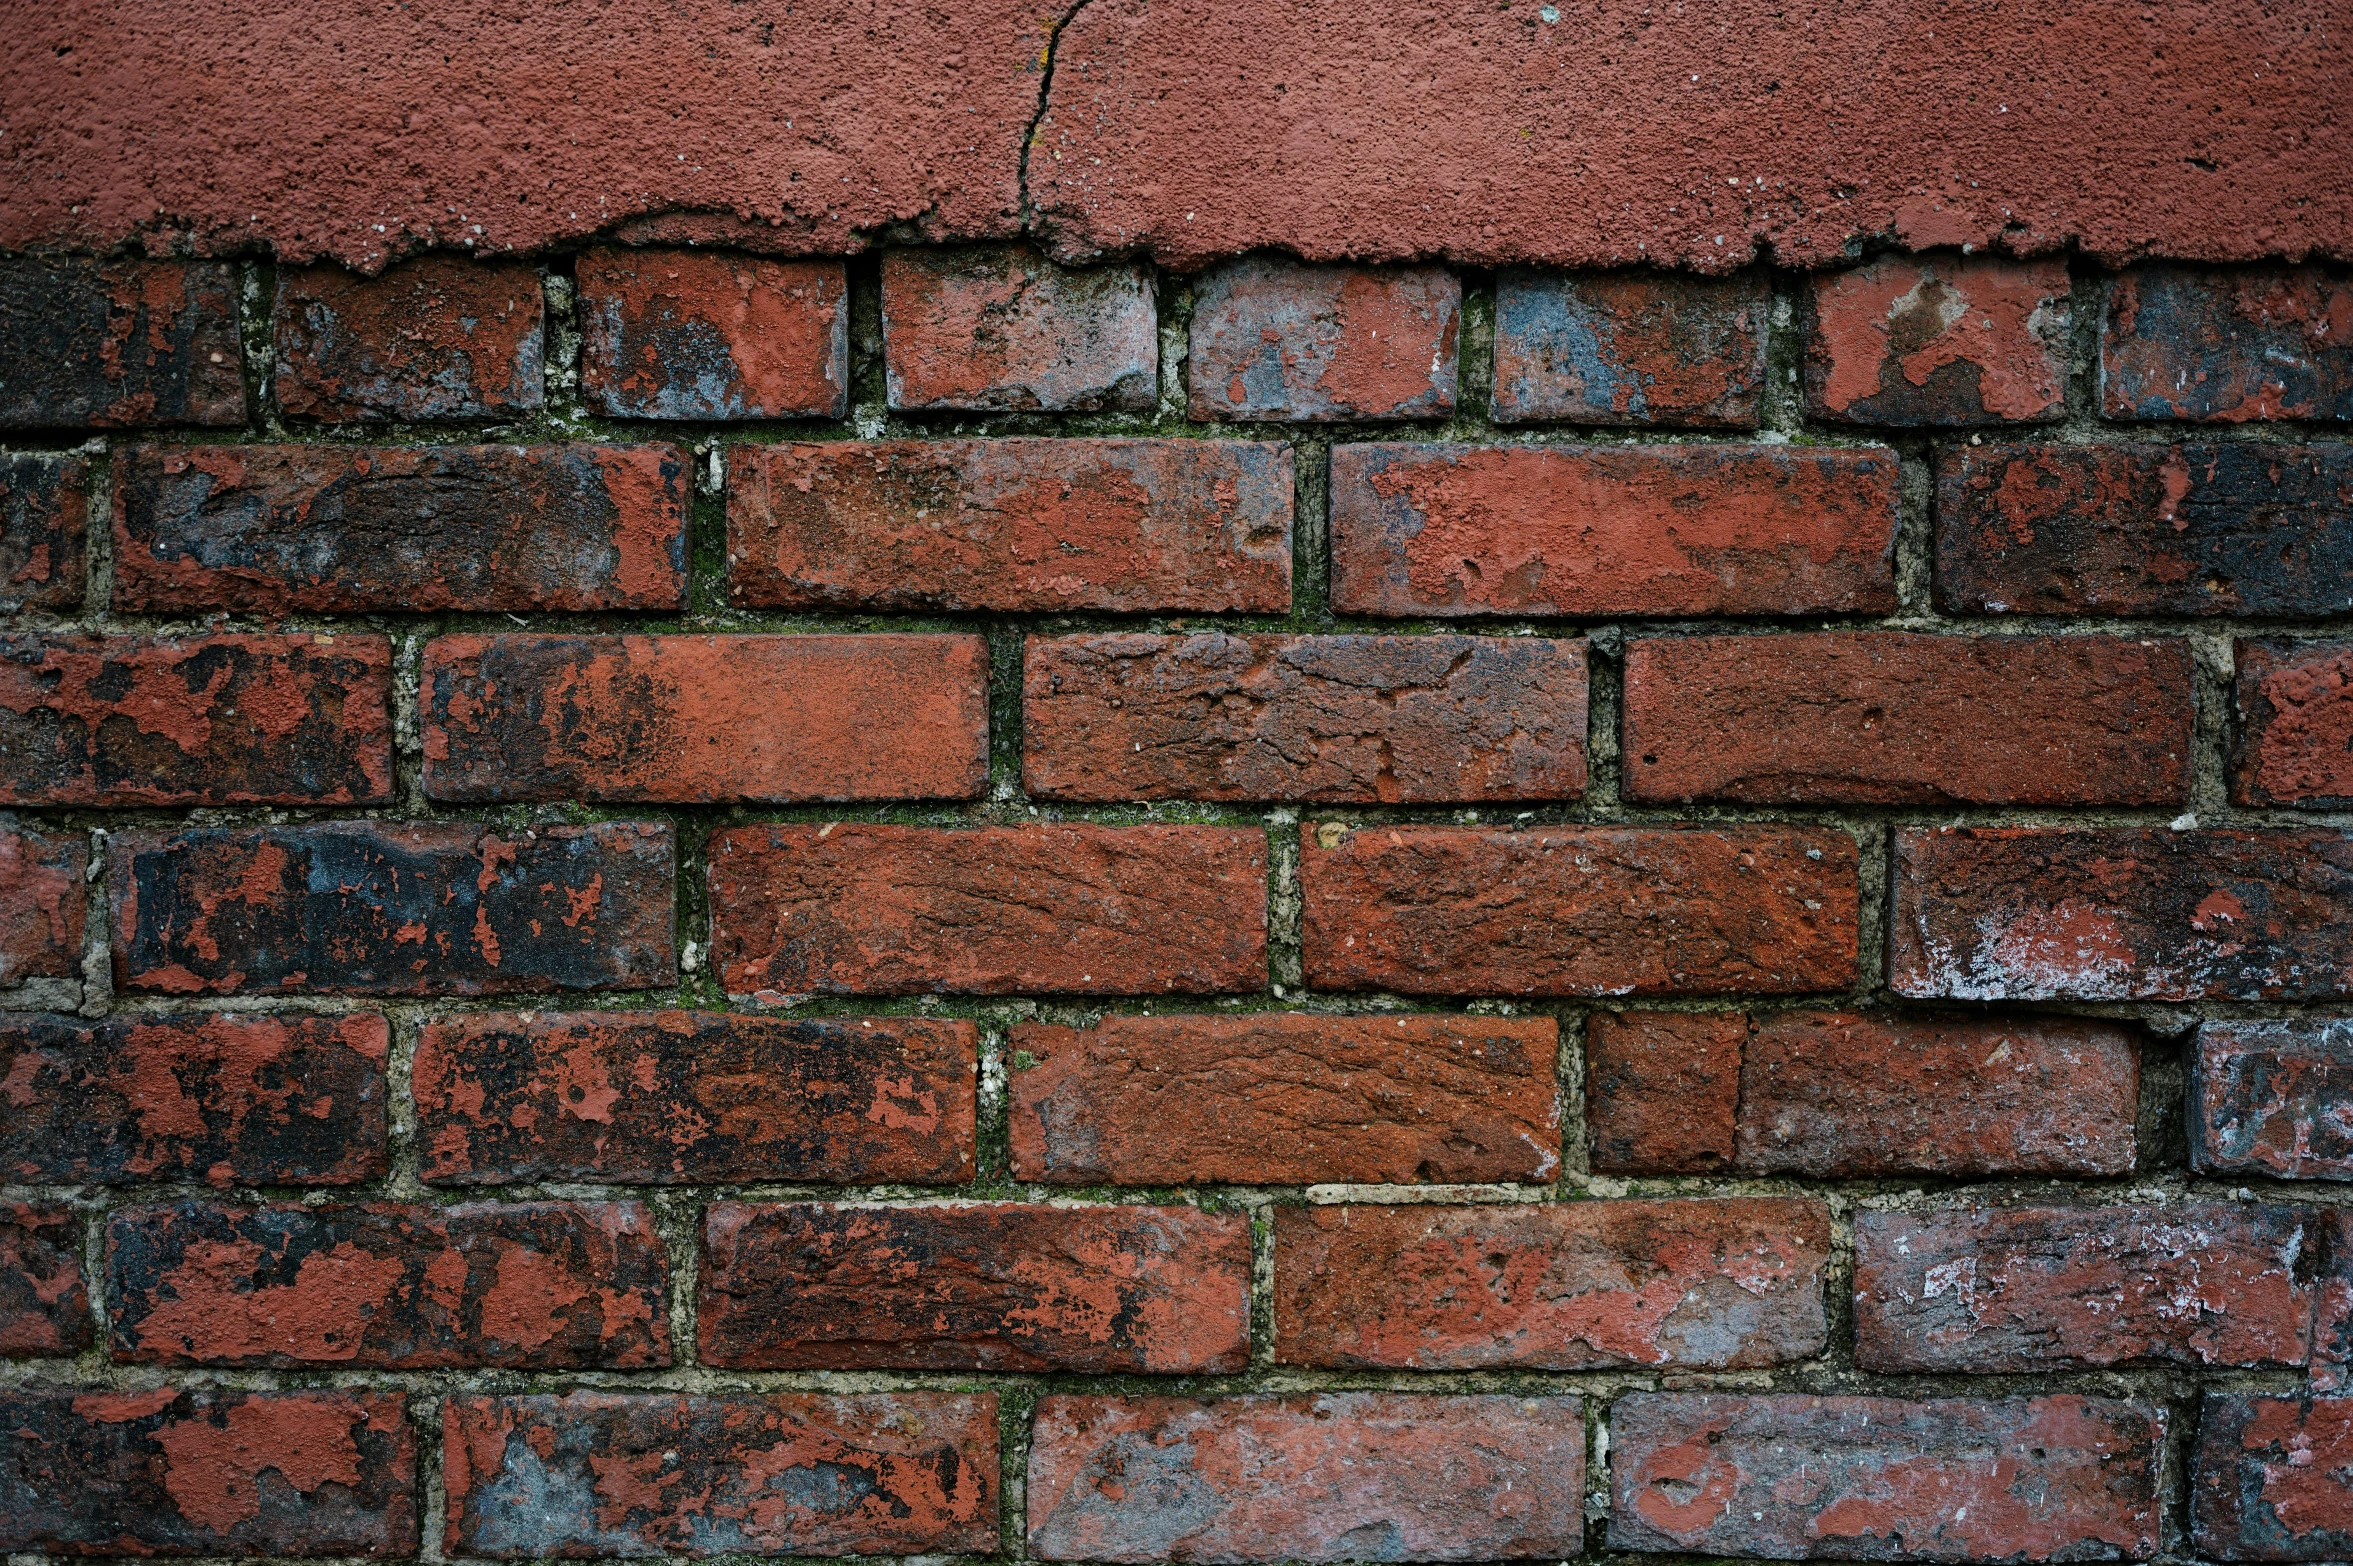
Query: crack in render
[1029, 135]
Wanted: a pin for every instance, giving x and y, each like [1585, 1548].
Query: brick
[787, 1473]
[440, 337]
[1006, 330]
[1879, 1478]
[2145, 529]
[673, 1096]
[1334, 719]
[1552, 1286]
[2295, 725]
[1285, 1099]
[44, 1309]
[2227, 346]
[44, 522]
[1275, 339]
[2332, 1317]
[1433, 529]
[974, 1286]
[1887, 717]
[1334, 1476]
[369, 908]
[683, 334]
[115, 344]
[207, 1471]
[405, 529]
[704, 719]
[1938, 341]
[853, 909]
[524, 1286]
[2026, 1289]
[1630, 348]
[1662, 1090]
[1578, 911]
[1022, 524]
[218, 1097]
[199, 720]
[2273, 1099]
[42, 902]
[2267, 1478]
[2026, 913]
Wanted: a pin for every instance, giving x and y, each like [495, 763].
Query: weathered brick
[1335, 1476]
[1647, 348]
[1005, 329]
[2268, 1478]
[2026, 913]
[853, 909]
[207, 1471]
[974, 1286]
[218, 1097]
[200, 720]
[111, 344]
[675, 1096]
[2295, 736]
[44, 520]
[1662, 1090]
[1876, 1478]
[384, 908]
[44, 1309]
[1432, 529]
[404, 529]
[1334, 719]
[1938, 340]
[703, 719]
[1022, 524]
[1552, 1286]
[42, 902]
[1761, 910]
[787, 1473]
[1273, 338]
[440, 337]
[2273, 1099]
[527, 1286]
[2000, 1290]
[1285, 1099]
[1887, 717]
[2145, 529]
[2332, 1317]
[2227, 346]
[686, 334]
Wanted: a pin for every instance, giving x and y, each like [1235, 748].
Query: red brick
[1273, 339]
[2295, 738]
[2332, 1318]
[1005, 329]
[674, 1096]
[1886, 717]
[526, 1286]
[2227, 347]
[42, 903]
[786, 1473]
[202, 720]
[2273, 1099]
[1662, 1090]
[2268, 1478]
[1630, 348]
[1938, 340]
[112, 344]
[852, 909]
[2035, 1288]
[1552, 1286]
[217, 1097]
[440, 337]
[1335, 1476]
[1021, 524]
[208, 1471]
[1579, 910]
[1875, 1478]
[385, 908]
[44, 1310]
[44, 521]
[1285, 1098]
[2026, 913]
[704, 719]
[276, 529]
[683, 334]
[974, 1286]
[1431, 529]
[1334, 719]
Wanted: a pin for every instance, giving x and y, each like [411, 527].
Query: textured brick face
[675, 334]
[437, 338]
[42, 902]
[1942, 341]
[2295, 712]
[1662, 1090]
[44, 1305]
[2268, 1478]
[118, 344]
[1629, 348]
[1005, 329]
[44, 519]
[2273, 1099]
[1273, 339]
[2258, 343]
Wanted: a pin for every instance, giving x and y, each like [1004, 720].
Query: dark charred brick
[527, 1286]
[369, 908]
[207, 1472]
[1005, 329]
[440, 337]
[1334, 719]
[1433, 529]
[2145, 529]
[974, 1286]
[201, 720]
[1285, 1099]
[1875, 1478]
[400, 528]
[117, 344]
[852, 909]
[684, 334]
[42, 902]
[2268, 1478]
[44, 520]
[1276, 339]
[1938, 340]
[44, 1309]
[788, 1473]
[2295, 738]
[2273, 1099]
[2227, 346]
[1630, 348]
[1021, 524]
[1662, 1090]
[676, 1096]
[1552, 1286]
